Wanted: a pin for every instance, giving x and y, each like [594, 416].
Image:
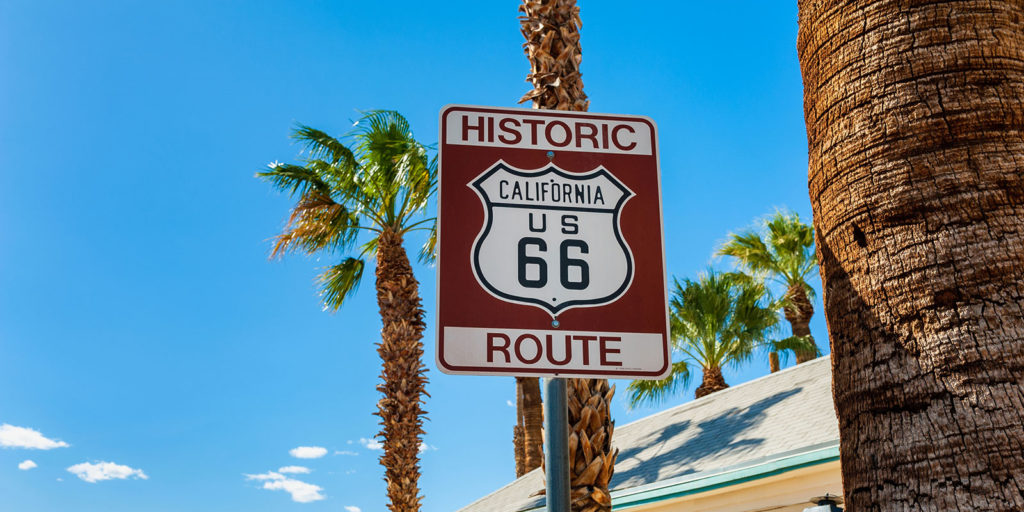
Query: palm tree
[783, 252]
[914, 122]
[552, 32]
[379, 187]
[717, 321]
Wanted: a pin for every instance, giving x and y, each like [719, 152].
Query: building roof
[777, 421]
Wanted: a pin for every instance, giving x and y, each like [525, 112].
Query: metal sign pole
[556, 436]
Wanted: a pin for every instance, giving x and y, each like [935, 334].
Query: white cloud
[27, 465]
[509, 403]
[371, 444]
[22, 437]
[294, 470]
[301, 492]
[353, 508]
[100, 471]
[308, 452]
[345, 452]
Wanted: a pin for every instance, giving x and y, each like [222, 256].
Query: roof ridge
[718, 394]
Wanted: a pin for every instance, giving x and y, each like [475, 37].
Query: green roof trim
[697, 484]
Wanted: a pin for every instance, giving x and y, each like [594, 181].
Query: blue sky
[141, 323]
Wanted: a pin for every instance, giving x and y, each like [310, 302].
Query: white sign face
[551, 238]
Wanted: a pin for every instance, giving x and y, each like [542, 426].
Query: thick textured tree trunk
[915, 127]
[773, 362]
[533, 424]
[711, 381]
[551, 29]
[799, 317]
[401, 350]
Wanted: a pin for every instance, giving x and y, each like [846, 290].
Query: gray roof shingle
[784, 412]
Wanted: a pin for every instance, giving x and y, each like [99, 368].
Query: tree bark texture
[915, 128]
[533, 423]
[773, 362]
[591, 459]
[711, 381]
[799, 317]
[401, 350]
[518, 434]
[517, 446]
[551, 29]
[552, 32]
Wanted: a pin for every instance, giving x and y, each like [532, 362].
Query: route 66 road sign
[550, 249]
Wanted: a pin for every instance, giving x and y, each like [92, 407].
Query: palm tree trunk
[773, 362]
[518, 436]
[915, 129]
[552, 32]
[591, 459]
[401, 350]
[533, 423]
[799, 317]
[517, 444]
[711, 381]
[551, 29]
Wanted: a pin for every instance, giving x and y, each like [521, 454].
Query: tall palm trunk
[517, 447]
[799, 314]
[773, 361]
[401, 349]
[915, 129]
[551, 29]
[530, 419]
[518, 434]
[711, 381]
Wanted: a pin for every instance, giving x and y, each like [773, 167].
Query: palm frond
[321, 146]
[750, 251]
[369, 247]
[295, 179]
[339, 282]
[789, 345]
[317, 223]
[797, 344]
[428, 253]
[654, 391]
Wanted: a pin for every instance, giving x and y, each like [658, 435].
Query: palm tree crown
[782, 251]
[382, 183]
[717, 321]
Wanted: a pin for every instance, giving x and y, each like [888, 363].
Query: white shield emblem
[551, 238]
